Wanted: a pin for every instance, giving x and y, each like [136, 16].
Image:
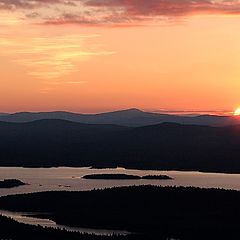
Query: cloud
[193, 112]
[151, 8]
[132, 12]
[109, 19]
[51, 58]
[168, 7]
[31, 4]
[117, 12]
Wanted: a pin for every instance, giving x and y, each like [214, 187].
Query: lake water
[70, 179]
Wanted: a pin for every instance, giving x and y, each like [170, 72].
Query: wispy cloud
[220, 112]
[55, 83]
[50, 86]
[31, 4]
[51, 57]
[116, 12]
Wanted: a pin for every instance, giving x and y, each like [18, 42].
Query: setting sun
[237, 112]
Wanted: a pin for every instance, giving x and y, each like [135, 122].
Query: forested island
[10, 229]
[10, 183]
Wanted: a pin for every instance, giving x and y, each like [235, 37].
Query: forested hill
[164, 146]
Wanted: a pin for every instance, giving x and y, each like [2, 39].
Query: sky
[102, 55]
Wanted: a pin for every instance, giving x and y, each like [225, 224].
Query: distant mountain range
[166, 146]
[129, 117]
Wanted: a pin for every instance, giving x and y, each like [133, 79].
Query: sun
[237, 112]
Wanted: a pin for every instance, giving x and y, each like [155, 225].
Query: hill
[166, 146]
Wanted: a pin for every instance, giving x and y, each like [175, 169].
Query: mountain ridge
[129, 117]
[165, 146]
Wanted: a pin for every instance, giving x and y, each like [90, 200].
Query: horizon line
[160, 110]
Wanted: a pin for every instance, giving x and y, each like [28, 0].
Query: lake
[70, 179]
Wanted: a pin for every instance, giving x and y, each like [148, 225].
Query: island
[157, 177]
[10, 183]
[112, 177]
[126, 177]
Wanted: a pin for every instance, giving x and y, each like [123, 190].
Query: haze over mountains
[129, 117]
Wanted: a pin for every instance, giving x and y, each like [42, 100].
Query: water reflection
[70, 179]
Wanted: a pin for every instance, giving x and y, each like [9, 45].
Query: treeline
[13, 230]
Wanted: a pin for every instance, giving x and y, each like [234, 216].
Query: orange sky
[142, 56]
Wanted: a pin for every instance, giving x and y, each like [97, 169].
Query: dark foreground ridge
[125, 177]
[11, 230]
[163, 212]
[167, 146]
[10, 183]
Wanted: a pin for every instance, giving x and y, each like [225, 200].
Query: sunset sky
[102, 55]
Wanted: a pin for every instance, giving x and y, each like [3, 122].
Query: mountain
[129, 117]
[167, 146]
